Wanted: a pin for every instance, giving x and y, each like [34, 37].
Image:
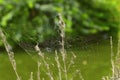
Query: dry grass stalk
[61, 25]
[58, 66]
[80, 75]
[112, 55]
[10, 53]
[115, 62]
[77, 73]
[71, 61]
[41, 55]
[38, 72]
[106, 78]
[31, 76]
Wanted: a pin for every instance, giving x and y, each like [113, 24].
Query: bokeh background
[89, 25]
[21, 19]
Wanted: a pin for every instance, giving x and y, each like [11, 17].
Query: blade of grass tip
[39, 51]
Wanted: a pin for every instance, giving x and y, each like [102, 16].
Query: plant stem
[10, 53]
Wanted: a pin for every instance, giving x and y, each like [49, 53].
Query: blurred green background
[89, 23]
[21, 19]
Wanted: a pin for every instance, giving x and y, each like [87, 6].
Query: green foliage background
[21, 19]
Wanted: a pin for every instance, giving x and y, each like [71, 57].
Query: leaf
[6, 18]
[31, 3]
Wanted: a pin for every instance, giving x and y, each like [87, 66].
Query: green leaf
[31, 3]
[6, 18]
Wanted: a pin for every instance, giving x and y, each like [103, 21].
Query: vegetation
[46, 28]
[21, 19]
[89, 61]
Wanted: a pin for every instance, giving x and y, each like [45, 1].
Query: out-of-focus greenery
[21, 19]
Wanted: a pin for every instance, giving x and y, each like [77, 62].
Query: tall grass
[61, 63]
[62, 67]
[62, 50]
[115, 62]
[10, 53]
